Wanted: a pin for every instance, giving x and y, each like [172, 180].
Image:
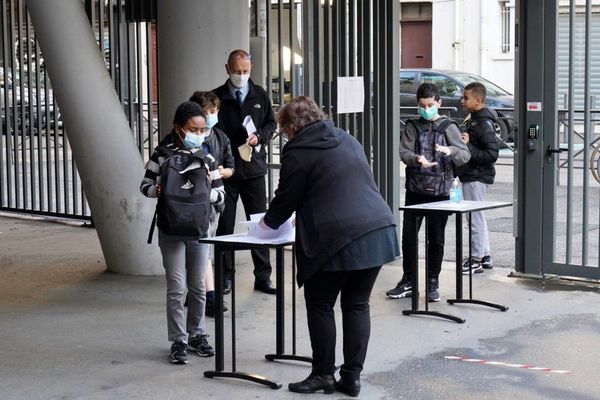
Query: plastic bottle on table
[456, 192]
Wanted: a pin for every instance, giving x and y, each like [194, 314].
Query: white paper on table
[287, 230]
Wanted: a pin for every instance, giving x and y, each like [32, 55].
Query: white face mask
[239, 81]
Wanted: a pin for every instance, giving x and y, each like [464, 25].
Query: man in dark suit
[240, 99]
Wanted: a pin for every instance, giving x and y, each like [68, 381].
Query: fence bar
[326, 56]
[280, 66]
[291, 34]
[571, 127]
[335, 60]
[139, 104]
[5, 190]
[269, 80]
[149, 89]
[587, 132]
[352, 40]
[21, 187]
[40, 144]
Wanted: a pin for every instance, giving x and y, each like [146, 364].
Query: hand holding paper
[248, 124]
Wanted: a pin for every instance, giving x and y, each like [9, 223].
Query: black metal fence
[37, 172]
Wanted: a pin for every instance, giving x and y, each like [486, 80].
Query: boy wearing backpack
[217, 144]
[179, 175]
[430, 147]
[480, 138]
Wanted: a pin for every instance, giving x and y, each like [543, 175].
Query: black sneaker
[433, 293]
[475, 266]
[486, 262]
[402, 289]
[200, 345]
[178, 353]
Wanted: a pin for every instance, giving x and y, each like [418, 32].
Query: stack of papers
[287, 230]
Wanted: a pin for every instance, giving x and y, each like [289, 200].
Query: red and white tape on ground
[505, 364]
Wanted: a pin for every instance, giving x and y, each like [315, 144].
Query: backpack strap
[445, 124]
[152, 225]
[416, 122]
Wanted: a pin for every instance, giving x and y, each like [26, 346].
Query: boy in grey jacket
[455, 153]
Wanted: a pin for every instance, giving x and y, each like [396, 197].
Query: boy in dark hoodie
[479, 172]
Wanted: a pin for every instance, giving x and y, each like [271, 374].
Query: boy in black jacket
[480, 138]
[220, 148]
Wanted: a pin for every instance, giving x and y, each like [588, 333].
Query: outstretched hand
[425, 163]
[443, 149]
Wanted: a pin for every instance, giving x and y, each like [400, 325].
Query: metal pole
[99, 135]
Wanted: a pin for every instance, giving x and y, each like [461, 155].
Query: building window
[506, 9]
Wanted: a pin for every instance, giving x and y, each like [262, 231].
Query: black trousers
[254, 199]
[320, 292]
[436, 229]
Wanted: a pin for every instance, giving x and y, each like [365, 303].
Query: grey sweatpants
[185, 263]
[480, 241]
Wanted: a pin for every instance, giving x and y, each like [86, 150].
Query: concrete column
[194, 39]
[108, 161]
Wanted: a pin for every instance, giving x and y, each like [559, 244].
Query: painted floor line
[506, 364]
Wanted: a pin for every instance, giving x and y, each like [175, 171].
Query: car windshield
[492, 90]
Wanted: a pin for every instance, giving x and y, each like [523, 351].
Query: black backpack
[436, 180]
[183, 207]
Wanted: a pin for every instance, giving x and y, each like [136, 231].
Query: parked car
[21, 103]
[451, 85]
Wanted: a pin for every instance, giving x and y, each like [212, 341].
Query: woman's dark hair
[186, 111]
[299, 113]
[427, 90]
[206, 99]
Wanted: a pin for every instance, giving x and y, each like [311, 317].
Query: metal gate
[309, 44]
[37, 172]
[573, 235]
[314, 42]
[559, 225]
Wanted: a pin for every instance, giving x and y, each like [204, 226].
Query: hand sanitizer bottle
[456, 192]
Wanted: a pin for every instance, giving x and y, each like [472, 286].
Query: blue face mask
[429, 113]
[193, 140]
[211, 120]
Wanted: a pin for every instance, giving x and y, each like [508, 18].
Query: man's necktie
[238, 96]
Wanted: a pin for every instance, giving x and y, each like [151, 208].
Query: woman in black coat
[345, 232]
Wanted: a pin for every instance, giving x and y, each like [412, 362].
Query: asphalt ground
[71, 330]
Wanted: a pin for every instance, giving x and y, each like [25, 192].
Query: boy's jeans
[185, 262]
[480, 240]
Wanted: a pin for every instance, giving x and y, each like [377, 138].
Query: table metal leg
[280, 314]
[245, 376]
[219, 332]
[459, 256]
[459, 299]
[415, 280]
[219, 371]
